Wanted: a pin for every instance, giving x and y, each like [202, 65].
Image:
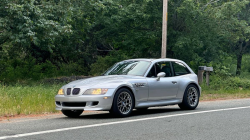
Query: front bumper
[85, 102]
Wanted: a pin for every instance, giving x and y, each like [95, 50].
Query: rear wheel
[191, 98]
[72, 113]
[123, 103]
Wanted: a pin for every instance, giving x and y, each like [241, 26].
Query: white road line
[117, 122]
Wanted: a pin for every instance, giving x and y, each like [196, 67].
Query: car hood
[100, 80]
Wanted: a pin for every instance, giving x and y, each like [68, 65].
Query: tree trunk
[243, 47]
[239, 59]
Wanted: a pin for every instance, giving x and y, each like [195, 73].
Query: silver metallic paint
[152, 93]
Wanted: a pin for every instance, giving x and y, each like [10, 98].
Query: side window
[165, 67]
[160, 67]
[180, 69]
[152, 72]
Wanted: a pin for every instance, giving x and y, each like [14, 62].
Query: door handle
[174, 82]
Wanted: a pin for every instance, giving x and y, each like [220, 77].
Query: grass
[210, 94]
[226, 88]
[20, 99]
[35, 98]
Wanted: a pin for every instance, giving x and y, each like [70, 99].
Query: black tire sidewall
[71, 113]
[185, 104]
[115, 109]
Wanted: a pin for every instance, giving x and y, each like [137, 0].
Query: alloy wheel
[192, 96]
[124, 102]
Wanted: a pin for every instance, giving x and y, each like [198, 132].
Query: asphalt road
[214, 120]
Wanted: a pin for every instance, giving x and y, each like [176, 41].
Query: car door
[166, 87]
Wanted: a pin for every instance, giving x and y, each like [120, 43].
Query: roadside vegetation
[38, 97]
[228, 88]
[41, 39]
[19, 99]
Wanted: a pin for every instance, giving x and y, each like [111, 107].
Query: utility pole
[164, 29]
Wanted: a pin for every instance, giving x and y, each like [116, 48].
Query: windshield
[129, 68]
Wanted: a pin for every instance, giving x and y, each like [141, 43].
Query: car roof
[153, 59]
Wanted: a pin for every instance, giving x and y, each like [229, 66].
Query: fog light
[105, 97]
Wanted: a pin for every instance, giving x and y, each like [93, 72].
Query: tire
[190, 98]
[123, 103]
[72, 113]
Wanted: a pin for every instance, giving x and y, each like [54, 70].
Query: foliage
[51, 38]
[225, 88]
[103, 63]
[14, 70]
[193, 33]
[41, 38]
[37, 98]
[29, 26]
[233, 18]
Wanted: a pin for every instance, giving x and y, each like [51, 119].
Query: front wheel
[190, 99]
[123, 103]
[72, 113]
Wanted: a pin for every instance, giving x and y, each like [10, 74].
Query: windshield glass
[129, 68]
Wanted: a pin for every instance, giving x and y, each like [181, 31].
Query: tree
[32, 26]
[193, 33]
[234, 22]
[131, 26]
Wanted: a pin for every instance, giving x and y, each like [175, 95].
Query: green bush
[103, 63]
[17, 69]
[245, 64]
[227, 84]
[71, 69]
[14, 70]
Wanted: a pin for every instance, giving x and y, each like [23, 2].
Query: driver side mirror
[159, 75]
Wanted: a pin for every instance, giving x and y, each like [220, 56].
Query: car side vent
[76, 91]
[68, 91]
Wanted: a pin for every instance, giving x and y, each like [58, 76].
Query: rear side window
[180, 69]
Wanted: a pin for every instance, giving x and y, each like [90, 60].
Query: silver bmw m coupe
[132, 84]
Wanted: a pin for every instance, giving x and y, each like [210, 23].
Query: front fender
[140, 92]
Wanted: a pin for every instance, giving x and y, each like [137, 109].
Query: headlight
[60, 92]
[96, 91]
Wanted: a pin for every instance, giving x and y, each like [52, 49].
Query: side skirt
[158, 103]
